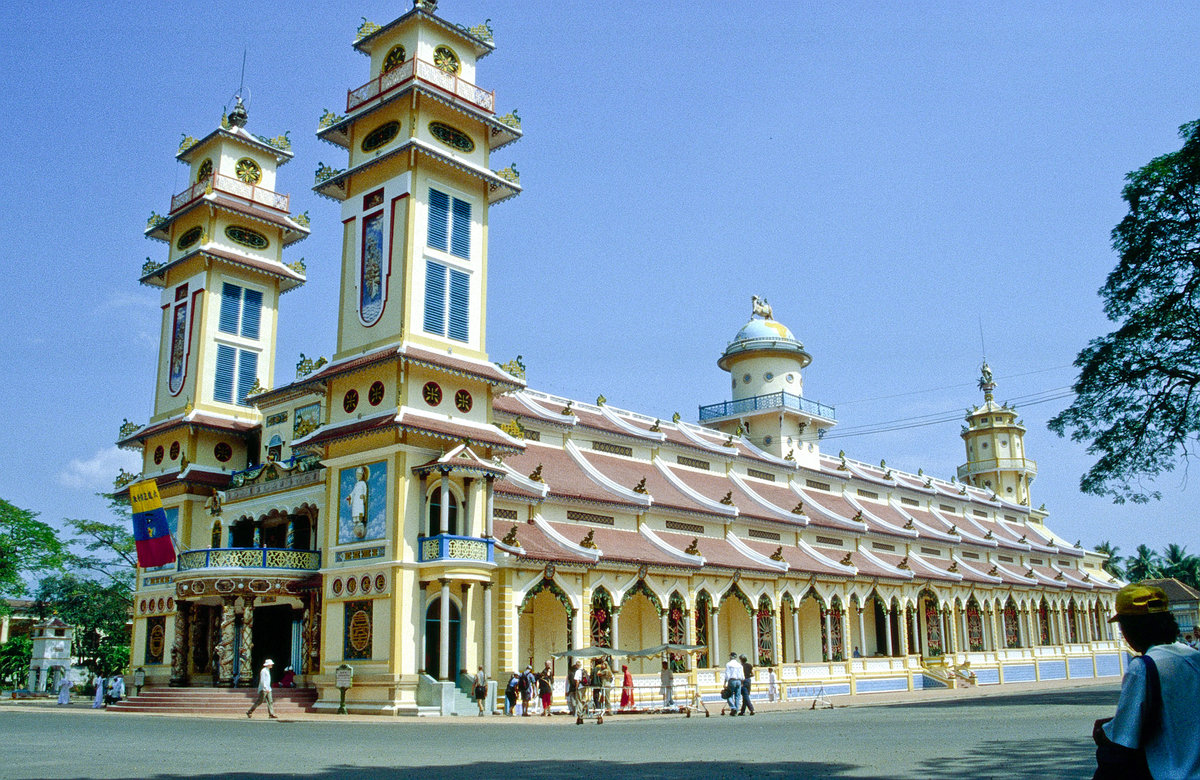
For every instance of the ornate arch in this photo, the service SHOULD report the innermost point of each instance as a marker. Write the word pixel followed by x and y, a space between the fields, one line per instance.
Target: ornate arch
pixel 640 587
pixel 737 593
pixel 703 616
pixel 765 624
pixel 677 629
pixel 547 584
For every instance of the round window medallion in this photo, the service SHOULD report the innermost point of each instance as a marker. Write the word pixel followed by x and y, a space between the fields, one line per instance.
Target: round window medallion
pixel 375 394
pixel 452 136
pixel 380 582
pixel 432 393
pixel 143 606
pixel 189 237
pixel 248 171
pixel 351 586
pixel 462 401
pixel 205 171
pixel 170 603
pixel 158 455
pixel 337 587
pixel 246 237
pixel 768 376
pixel 223 452
pixel 445 59
pixel 380 136
pixel 162 604
pixel 746 378
pixel 350 401
pixel 767 440
pixel 174 450
pixel 790 378
pixel 365 583
pixel 394 58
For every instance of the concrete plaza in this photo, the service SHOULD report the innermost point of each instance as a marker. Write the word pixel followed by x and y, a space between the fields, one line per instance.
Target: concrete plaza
pixel 1034 733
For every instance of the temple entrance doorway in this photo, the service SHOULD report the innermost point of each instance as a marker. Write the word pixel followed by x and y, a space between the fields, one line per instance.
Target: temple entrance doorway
pixel 272 638
pixel 433 640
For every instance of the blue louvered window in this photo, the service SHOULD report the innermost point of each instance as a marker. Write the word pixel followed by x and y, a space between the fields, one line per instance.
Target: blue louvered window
pixel 247 374
pixel 460 306
pixel 449 224
pixel 435 298
pixel 251 313
pixel 439 219
pixel 231 305
pixel 223 388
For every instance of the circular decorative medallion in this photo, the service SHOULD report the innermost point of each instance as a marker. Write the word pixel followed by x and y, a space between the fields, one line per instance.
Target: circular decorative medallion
pixel 350 401
pixel 223 452
pixel 767 440
pixel 351 586
pixel 158 455
pixel 365 583
pixel 432 393
pixel 549 574
pixel 375 394
pixel 337 587
pixel 156 641
pixel 462 401
pixel 768 376
pixel 205 171
pixel 248 171
pixel 174 450
pixel 189 237
pixel 360 630
pixel 380 136
pixel 143 606
pixel 452 136
pixel 445 59
pixel 790 378
pixel 394 58
pixel 380 583
pixel 170 603
pixel 162 604
pixel 746 379
pixel 246 237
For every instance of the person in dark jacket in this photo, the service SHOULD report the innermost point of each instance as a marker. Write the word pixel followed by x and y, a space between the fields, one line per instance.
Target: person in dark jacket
pixel 748 670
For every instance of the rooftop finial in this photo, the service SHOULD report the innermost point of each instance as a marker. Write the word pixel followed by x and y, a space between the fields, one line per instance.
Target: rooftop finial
pixel 426 5
pixel 760 308
pixel 986 383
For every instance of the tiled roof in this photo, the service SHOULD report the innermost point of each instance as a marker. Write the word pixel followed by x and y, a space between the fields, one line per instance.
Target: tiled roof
pixel 1177 592
pixel 196 419
pixel 535 544
pixel 716 552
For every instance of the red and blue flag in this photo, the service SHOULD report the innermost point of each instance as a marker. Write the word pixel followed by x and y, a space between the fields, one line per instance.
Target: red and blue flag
pixel 151 532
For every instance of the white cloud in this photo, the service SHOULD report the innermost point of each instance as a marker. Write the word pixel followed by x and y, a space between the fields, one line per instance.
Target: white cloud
pixel 97 472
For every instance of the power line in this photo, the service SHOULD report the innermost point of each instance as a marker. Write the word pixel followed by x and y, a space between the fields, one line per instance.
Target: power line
pixel 938 418
pixel 949 387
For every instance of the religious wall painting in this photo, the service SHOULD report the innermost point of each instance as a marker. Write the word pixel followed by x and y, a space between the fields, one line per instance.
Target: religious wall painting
pixel 306 420
pixel 677 631
pixel 765 622
pixel 362 508
pixel 371 271
pixel 358 627
pixel 974 627
pixel 602 617
pixel 178 368
pixel 933 628
pixel 1012 630
pixel 156 639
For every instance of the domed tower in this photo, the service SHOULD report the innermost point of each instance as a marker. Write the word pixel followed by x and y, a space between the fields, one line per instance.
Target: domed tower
pixel 995 442
pixel 765 361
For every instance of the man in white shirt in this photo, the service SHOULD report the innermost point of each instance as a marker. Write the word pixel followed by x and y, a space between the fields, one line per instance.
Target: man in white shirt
pixel 264 691
pixel 667 685
pixel 1170 735
pixel 734 675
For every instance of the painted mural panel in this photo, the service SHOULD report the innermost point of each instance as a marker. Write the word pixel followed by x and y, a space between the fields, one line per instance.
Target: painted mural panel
pixel 358 629
pixel 933 629
pixel 307 419
pixel 362 508
pixel 178 349
pixel 371 279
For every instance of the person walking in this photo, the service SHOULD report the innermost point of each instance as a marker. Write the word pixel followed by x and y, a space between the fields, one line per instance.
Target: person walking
pixel 1157 725
pixel 626 688
pixel 603 686
pixel 511 690
pixel 748 678
pixel 577 701
pixel 64 687
pixel 772 684
pixel 264 691
pixel 528 686
pixel 481 689
pixel 666 686
pixel 98 701
pixel 545 681
pixel 734 675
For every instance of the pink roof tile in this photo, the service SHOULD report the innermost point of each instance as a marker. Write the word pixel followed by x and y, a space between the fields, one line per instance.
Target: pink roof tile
pixel 716 552
pixel 537 545
pixel 619 545
pixel 797 559
pixel 563 476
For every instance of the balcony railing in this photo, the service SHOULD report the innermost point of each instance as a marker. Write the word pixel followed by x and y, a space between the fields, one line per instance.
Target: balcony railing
pixel 232 186
pixel 249 558
pixel 780 400
pixel 427 73
pixel 447 547
pixel 971 468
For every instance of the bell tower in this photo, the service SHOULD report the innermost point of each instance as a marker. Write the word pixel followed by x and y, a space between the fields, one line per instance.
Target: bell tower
pixel 221 282
pixel 995 441
pixel 416 193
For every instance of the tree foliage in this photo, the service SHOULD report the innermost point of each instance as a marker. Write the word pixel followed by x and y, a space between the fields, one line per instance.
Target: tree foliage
pixel 1144 565
pixel 27 546
pixel 98 610
pixel 1137 403
pixel 15 656
pixel 1113 564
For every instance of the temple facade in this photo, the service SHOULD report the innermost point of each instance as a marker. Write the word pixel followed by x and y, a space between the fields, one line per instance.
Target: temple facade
pixel 415 510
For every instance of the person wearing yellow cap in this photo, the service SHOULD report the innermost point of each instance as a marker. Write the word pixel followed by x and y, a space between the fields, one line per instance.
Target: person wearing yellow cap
pixel 1156 730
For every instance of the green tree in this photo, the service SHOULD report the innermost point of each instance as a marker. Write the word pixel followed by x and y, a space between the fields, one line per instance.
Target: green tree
pixel 1144 565
pixel 98 610
pixel 1137 398
pixel 1177 563
pixel 1113 564
pixel 27 546
pixel 15 657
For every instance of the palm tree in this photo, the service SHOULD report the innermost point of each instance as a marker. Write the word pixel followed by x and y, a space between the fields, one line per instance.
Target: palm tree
pixel 1178 564
pixel 1144 565
pixel 1113 564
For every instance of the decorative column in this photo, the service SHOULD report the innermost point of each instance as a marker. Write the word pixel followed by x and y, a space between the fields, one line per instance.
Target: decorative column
pixel 180 644
pixel 952 630
pixel 828 649
pixel 246 670
pixel 887 624
pixel 714 644
pixel 847 640
pixel 487 627
pixel 614 636
pixel 444 617
pixel 862 629
pixel 444 519
pixel 665 634
pixel 487 520
pixel 902 624
pixel 796 635
pixel 196 647
pixel 225 646
pixel 754 638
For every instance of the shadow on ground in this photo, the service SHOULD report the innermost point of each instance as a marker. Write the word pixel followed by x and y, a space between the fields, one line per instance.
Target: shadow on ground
pixel 1036 758
pixel 1101 697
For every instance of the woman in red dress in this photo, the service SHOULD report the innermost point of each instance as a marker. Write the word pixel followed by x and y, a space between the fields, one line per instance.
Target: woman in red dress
pixel 626 688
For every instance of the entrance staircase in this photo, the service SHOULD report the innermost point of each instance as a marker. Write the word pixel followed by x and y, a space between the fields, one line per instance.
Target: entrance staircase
pixel 215 701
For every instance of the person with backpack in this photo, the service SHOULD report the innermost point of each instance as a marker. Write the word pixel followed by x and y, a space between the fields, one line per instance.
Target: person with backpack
pixel 545 683
pixel 511 690
pixel 1156 730
pixel 528 686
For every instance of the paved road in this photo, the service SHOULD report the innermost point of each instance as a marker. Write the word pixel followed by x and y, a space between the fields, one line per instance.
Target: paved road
pixel 1043 734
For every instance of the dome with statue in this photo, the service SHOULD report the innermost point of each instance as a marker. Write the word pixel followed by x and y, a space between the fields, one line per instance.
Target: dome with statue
pixel 763 335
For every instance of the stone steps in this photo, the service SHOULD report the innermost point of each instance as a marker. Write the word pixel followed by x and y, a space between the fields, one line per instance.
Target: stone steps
pixel 214 701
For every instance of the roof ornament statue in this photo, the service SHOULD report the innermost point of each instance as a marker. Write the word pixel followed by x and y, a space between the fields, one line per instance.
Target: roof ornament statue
pixel 426 5
pixel 760 308
pixel 238 116
pixel 986 382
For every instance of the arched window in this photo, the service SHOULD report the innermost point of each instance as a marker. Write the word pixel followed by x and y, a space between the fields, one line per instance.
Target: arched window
pixel 216 534
pixel 435 513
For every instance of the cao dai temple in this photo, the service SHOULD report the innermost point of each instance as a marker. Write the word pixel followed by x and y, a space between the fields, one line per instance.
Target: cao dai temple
pixel 415 510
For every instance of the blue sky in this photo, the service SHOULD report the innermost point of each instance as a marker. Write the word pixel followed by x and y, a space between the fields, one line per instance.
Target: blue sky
pixel 888 175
